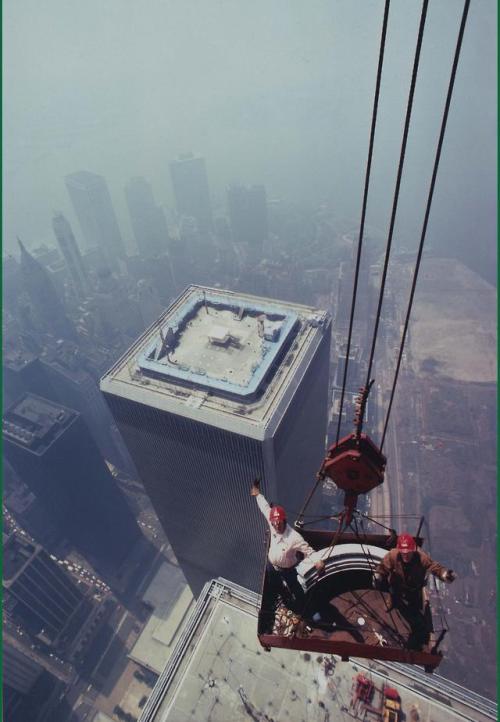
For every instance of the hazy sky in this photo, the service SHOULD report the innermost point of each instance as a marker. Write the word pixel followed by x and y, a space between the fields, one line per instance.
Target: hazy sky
pixel 273 91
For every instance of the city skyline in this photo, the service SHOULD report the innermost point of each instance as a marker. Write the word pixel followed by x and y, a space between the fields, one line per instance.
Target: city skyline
pixel 315 96
pixel 183 191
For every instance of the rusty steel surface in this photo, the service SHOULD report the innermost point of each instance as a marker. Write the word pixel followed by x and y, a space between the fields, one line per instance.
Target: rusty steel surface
pixel 356 620
pixel 346 650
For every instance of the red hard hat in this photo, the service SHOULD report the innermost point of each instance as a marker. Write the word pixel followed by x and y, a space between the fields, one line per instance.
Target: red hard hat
pixel 277 513
pixel 406 543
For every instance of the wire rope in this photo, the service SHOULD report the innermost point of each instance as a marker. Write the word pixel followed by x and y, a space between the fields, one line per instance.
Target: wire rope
pixel 363 212
pixel 409 109
pixel 428 208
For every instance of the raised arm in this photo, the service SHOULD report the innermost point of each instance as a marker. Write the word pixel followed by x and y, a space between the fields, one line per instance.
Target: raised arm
pixel 260 499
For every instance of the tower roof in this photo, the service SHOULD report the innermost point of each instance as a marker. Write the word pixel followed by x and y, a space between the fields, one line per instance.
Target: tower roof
pixel 228 359
pixel 35 423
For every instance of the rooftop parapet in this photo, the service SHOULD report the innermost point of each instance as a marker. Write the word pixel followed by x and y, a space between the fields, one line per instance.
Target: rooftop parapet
pixel 35 423
pixel 223 358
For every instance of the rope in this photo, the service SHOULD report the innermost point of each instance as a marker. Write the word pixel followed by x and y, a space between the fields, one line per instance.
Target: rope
pixel 428 207
pixel 363 212
pixel 409 108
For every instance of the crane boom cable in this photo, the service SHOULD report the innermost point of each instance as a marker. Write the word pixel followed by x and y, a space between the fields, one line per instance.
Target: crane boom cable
pixel 427 210
pixel 365 200
pixel 409 109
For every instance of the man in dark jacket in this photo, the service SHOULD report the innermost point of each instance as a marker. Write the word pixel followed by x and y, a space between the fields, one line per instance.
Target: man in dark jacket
pixel 403 572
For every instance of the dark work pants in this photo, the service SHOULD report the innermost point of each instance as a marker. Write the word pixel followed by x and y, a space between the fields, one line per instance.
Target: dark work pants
pixel 295 597
pixel 409 605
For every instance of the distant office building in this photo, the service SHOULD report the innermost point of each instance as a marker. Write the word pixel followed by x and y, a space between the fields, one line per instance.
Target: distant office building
pixel 75 387
pixel 38 596
pixel 23 679
pixel 32 682
pixel 118 314
pixel 159 270
pixel 72 255
pixel 29 677
pixel 46 255
pixel 11 282
pixel 22 372
pixel 224 388
pixel 192 197
pixel 248 215
pixel 23 506
pixel 93 207
pixel 20 671
pixel 148 219
pixel 58 374
pixel 48 309
pixel 45 596
pixel 51 450
pixel 181 263
pixel 148 300
pixel 199 249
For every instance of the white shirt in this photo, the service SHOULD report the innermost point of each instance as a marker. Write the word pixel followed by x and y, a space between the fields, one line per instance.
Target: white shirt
pixel 283 547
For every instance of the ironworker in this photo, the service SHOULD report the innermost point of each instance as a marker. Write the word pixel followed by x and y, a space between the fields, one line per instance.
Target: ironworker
pixel 286 549
pixel 403 572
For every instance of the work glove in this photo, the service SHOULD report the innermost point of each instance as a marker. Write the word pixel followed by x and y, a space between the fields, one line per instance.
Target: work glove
pixel 449 576
pixel 320 566
pixel 255 488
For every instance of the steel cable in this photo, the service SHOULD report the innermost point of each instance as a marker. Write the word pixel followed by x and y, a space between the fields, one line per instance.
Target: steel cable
pixel 428 208
pixel 395 201
pixel 363 212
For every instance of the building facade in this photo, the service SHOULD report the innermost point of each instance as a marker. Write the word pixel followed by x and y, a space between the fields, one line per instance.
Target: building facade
pixel 58 374
pixel 248 215
pixel 224 387
pixel 148 219
pixel 48 309
pixel 72 256
pixel 51 450
pixel 94 209
pixel 192 196
pixel 44 595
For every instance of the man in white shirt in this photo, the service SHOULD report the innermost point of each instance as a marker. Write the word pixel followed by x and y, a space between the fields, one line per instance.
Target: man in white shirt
pixel 284 546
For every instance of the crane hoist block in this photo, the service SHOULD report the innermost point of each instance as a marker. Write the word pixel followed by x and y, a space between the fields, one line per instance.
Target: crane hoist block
pixel 355 464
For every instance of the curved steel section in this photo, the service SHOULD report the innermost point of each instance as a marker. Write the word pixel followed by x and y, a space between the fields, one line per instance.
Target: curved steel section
pixel 341 559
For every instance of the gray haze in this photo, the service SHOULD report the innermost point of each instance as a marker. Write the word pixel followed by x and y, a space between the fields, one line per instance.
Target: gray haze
pixel 278 93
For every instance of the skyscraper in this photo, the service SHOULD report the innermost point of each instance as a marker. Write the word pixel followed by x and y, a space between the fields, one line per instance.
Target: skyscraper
pixel 192 197
pixel 71 253
pixel 51 450
pixel 248 215
pixel 22 371
pixel 93 207
pixel 223 388
pixel 44 595
pixel 11 281
pixel 148 219
pixel 30 678
pixel 47 306
pixel 57 373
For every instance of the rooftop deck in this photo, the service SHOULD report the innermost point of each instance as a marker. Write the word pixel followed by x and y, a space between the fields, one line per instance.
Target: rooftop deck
pixel 219 343
pixel 222 358
pixel 35 423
